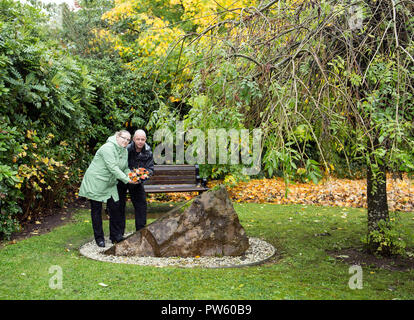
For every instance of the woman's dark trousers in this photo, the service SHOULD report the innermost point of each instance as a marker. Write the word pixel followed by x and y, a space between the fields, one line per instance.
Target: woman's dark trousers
pixel 115 222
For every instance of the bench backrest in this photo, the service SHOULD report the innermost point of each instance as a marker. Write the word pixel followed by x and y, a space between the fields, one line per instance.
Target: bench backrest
pixel 173 174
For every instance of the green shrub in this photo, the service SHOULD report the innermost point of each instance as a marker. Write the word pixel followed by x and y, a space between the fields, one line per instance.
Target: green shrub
pixel 45 106
pixel 386 240
pixel 43 177
pixel 9 194
pixel 8 202
pixel 56 109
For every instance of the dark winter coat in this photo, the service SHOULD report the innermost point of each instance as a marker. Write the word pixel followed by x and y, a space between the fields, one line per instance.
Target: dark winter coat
pixel 143 159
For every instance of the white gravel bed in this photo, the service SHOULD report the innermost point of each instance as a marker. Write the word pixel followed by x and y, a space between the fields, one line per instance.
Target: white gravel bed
pixel 258 252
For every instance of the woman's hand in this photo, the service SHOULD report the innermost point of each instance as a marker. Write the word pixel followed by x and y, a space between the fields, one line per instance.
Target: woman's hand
pixel 134 182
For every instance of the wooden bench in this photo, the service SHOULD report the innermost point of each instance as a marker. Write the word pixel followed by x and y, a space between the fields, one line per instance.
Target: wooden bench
pixel 175 178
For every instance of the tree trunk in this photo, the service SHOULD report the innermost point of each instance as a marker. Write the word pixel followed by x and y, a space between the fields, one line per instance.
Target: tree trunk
pixel 377 198
pixel 377 205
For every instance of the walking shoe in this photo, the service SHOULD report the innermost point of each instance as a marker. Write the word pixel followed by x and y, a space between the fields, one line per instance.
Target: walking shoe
pixel 119 240
pixel 101 243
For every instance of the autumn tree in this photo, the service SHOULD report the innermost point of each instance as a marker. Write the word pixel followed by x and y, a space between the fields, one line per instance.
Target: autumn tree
pixel 83 30
pixel 153 33
pixel 339 74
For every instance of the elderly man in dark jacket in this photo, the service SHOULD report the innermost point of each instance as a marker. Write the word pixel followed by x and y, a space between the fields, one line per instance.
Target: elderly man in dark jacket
pixel 139 156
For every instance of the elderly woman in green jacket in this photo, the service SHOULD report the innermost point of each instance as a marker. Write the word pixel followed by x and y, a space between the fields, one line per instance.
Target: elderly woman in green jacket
pixel 99 185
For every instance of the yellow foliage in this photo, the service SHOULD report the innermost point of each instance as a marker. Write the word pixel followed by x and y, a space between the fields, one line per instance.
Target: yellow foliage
pixel 156 34
pixel 122 9
pixel 31 133
pixel 173 99
pixel 32 174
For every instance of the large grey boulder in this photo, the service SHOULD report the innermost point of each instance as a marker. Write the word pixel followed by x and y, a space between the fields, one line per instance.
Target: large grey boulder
pixel 206 226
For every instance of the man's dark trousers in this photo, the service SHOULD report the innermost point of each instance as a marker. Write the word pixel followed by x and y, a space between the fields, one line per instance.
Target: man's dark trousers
pixel 139 201
pixel 115 232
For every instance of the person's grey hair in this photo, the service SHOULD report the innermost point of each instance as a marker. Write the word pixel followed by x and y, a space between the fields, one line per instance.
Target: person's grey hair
pixel 119 133
pixel 140 131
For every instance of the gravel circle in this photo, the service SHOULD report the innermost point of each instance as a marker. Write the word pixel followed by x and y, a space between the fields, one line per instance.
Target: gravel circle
pixel 259 251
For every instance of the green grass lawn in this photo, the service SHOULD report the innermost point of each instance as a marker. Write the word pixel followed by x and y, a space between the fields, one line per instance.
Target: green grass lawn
pixel 303 269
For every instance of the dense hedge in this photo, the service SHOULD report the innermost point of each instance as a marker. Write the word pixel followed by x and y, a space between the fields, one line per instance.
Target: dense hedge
pixel 56 109
pixel 45 96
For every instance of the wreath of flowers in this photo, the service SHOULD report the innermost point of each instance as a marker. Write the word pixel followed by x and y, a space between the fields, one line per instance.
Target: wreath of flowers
pixel 138 174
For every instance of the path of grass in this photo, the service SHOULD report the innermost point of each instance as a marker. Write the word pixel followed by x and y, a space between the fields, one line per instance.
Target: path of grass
pixel 304 270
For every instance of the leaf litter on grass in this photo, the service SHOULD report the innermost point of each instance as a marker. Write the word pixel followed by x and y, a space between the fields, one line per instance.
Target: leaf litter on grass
pixel 329 192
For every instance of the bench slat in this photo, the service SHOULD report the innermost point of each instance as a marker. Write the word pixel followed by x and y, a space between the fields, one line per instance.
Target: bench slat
pixel 174 168
pixel 174 178
pixel 173 183
pixel 175 188
pixel 173 173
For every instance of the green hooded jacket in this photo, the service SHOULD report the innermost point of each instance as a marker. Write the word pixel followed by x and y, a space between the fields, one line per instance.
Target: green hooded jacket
pixel 109 164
